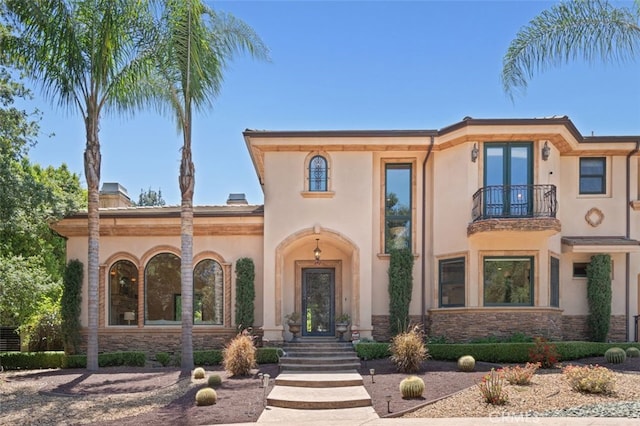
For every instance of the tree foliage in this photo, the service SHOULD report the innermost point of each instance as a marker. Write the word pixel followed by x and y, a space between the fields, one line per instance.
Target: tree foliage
pixel 24 283
pixel 400 289
pixel 245 292
pixel 599 296
pixel 588 29
pixel 151 198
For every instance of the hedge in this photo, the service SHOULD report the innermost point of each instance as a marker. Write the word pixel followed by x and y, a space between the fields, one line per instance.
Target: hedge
pixel 36 360
pixel 496 352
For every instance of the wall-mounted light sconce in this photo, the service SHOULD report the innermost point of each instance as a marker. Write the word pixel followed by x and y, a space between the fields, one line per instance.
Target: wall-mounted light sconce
pixel 317 251
pixel 474 152
pixel 546 151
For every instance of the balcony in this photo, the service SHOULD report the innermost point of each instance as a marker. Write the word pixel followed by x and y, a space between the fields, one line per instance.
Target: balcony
pixel 515 207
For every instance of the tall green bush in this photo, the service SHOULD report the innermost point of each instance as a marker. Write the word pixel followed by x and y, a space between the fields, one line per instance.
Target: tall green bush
pixel 245 292
pixel 400 288
pixel 70 306
pixel 599 296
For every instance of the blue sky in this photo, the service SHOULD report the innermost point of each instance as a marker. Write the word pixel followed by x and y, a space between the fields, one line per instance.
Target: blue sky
pixel 347 65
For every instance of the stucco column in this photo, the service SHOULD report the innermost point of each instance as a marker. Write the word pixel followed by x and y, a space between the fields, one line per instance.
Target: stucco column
pixel 272 300
pixel 362 293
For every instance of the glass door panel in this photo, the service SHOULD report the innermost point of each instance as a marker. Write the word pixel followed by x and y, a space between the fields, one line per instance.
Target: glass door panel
pixel 508 179
pixel 318 308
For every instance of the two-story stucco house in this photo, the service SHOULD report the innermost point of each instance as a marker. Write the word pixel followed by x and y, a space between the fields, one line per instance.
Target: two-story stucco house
pixel 502 216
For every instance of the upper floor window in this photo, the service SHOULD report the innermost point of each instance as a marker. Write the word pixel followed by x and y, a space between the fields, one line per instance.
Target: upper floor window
pixel 318 173
pixel 593 175
pixel 508 281
pixel 398 206
pixel 554 281
pixel 452 277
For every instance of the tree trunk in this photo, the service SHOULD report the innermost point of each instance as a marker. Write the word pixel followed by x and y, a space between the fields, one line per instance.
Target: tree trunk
pixel 92 173
pixel 187 184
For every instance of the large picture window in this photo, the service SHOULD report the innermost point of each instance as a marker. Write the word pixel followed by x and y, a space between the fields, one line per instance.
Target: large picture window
pixel 452 279
pixel 398 206
pixel 508 281
pixel 593 175
pixel 208 291
pixel 162 285
pixel 123 293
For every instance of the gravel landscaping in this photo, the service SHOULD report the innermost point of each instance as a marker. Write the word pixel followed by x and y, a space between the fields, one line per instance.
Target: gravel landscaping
pixel 149 396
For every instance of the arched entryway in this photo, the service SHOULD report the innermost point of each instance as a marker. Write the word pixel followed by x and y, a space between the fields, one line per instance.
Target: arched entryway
pixel 318 289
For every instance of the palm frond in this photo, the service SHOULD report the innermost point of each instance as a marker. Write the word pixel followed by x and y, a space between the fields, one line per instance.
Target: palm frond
pixel 588 29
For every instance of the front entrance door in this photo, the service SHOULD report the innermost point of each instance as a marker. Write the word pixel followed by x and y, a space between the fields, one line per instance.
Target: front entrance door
pixel 508 176
pixel 318 301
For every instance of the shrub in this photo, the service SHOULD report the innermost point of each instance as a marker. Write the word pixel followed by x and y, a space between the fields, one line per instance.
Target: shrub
pixel 70 306
pixel 110 359
pixel 599 296
pixel 239 356
pixel 163 358
pixel 206 396
pixel 32 360
pixel 518 375
pixel 210 357
pixel 408 350
pixel 43 330
pixel 492 388
pixel 615 355
pixel 590 379
pixel 412 387
pixel 372 350
pixel 633 352
pixel 198 373
pixel 544 353
pixel 245 292
pixel 466 363
pixel 267 355
pixel 214 380
pixel 400 288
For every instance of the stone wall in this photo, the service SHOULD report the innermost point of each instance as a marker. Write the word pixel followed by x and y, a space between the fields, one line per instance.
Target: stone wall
pixel 152 340
pixel 381 326
pixel 463 325
pixel 575 327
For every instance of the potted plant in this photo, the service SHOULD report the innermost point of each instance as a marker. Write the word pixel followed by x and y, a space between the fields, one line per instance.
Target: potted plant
pixel 293 320
pixel 342 324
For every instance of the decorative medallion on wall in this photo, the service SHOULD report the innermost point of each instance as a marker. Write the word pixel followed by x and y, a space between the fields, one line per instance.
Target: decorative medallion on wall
pixel 594 217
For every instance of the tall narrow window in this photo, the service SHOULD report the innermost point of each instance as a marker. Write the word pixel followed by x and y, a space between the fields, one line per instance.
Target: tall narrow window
pixel 508 281
pixel 554 298
pixel 452 277
pixel 592 175
pixel 398 206
pixel 208 293
pixel 318 173
pixel 123 293
pixel 162 290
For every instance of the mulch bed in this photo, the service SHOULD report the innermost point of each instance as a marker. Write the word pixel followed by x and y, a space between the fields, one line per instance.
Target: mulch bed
pixel 241 399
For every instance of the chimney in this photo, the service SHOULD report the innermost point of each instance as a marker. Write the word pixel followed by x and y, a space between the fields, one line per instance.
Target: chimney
pixel 114 195
pixel 237 199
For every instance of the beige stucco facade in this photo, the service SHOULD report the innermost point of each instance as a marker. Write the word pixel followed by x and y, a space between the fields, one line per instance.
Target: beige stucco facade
pixel 541 225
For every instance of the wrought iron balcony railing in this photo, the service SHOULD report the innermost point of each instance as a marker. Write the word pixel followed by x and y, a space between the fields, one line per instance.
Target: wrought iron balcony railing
pixel 514 201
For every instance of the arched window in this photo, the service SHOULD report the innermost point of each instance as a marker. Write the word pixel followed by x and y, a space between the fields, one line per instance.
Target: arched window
pixel 208 293
pixel 318 173
pixel 123 293
pixel 162 290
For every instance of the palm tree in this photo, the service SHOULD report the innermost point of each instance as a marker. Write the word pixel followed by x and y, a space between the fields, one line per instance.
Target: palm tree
pixel 193 48
pixel 591 29
pixel 86 55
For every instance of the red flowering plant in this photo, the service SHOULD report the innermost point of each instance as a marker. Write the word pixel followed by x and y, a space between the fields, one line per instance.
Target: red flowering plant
pixel 544 353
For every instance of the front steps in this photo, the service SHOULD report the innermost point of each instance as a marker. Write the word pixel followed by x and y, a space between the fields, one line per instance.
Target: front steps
pixel 319 355
pixel 319 374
